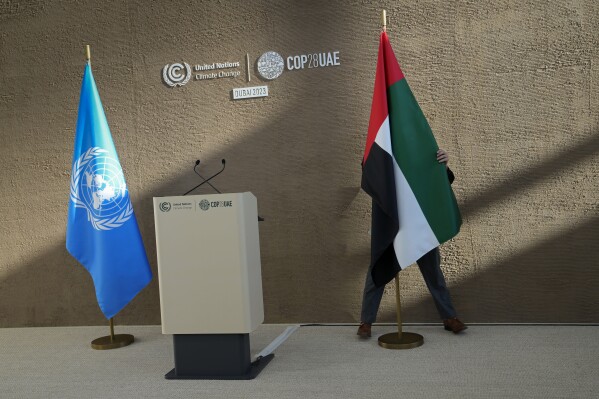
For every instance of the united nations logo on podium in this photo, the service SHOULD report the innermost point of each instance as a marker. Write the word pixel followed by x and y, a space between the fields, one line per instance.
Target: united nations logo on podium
pixel 98 185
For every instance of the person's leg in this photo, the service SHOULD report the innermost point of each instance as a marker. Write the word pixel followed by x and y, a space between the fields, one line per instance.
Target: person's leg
pixel 430 267
pixel 371 299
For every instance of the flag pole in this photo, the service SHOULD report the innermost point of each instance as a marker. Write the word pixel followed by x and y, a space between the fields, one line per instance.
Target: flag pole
pixel 400 339
pixel 110 341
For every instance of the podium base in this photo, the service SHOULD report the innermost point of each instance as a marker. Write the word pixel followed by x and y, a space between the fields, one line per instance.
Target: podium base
pixel 407 340
pixel 214 357
pixel 255 368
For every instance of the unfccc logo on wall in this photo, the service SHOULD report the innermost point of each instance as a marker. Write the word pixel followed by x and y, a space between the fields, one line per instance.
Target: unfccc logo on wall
pixel 176 74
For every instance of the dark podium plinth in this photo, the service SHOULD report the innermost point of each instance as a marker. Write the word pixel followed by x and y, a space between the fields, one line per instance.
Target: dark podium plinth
pixel 215 357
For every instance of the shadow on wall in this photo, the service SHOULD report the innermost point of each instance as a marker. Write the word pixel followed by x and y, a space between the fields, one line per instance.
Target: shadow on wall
pixel 304 168
pixel 303 165
pixel 554 281
pixel 297 186
pixel 549 169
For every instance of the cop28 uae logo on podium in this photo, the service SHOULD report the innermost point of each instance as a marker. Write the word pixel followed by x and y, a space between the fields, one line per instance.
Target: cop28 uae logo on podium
pixel 204 205
pixel 98 186
pixel 176 74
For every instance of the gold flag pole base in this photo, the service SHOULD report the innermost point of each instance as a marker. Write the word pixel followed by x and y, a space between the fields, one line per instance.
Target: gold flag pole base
pixel 108 342
pixel 400 339
pixel 112 341
pixel 406 340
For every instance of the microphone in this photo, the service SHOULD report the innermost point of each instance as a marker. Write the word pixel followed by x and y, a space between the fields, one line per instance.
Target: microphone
pixel 208 179
pixel 203 178
pixel 260 218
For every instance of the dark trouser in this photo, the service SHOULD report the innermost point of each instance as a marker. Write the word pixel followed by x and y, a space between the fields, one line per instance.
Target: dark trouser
pixel 430 267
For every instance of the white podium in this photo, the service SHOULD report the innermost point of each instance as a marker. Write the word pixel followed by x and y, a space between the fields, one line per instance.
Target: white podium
pixel 210 283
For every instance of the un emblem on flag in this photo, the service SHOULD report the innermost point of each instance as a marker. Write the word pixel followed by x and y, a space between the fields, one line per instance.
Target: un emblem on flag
pixel 98 185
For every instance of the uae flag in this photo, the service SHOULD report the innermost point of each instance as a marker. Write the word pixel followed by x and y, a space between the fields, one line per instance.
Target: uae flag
pixel 414 209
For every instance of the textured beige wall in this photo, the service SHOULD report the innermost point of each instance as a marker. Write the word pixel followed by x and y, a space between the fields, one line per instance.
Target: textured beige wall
pixel 509 87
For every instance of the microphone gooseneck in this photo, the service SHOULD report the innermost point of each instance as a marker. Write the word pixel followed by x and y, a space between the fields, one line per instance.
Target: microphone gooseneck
pixel 208 179
pixel 203 178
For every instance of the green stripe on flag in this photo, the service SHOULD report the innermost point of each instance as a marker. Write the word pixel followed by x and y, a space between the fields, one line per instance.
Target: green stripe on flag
pixel 414 148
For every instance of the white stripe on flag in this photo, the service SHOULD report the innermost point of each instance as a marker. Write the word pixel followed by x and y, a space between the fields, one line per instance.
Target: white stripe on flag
pixel 415 236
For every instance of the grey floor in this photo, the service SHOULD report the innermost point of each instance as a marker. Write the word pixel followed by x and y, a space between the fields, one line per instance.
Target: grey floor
pixel 315 362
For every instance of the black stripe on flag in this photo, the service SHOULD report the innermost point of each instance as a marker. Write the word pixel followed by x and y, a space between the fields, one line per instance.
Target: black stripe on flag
pixel 378 181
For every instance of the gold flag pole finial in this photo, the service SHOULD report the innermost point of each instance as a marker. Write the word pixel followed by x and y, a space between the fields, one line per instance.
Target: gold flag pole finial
pixel 384 20
pixel 88 55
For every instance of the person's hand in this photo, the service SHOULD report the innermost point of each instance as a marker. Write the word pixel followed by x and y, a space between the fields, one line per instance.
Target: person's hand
pixel 442 157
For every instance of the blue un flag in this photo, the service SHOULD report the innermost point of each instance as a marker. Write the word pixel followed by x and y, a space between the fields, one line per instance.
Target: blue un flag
pixel 102 232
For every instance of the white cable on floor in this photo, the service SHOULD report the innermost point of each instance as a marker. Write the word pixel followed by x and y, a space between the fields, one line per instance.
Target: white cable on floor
pixel 270 348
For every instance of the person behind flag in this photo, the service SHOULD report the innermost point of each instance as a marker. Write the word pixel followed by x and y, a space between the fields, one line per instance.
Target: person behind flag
pixel 430 267
pixel 414 209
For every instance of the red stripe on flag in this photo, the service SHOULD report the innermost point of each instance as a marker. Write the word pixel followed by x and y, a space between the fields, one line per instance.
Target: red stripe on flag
pixel 393 72
pixel 387 73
